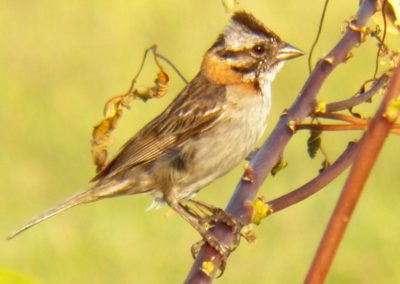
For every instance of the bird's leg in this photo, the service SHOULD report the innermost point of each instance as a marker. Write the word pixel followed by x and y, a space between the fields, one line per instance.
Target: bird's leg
pixel 212 215
pixel 216 214
pixel 192 212
pixel 189 216
pixel 195 221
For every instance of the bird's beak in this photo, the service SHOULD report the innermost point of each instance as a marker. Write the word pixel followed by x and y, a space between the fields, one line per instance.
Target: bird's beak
pixel 287 51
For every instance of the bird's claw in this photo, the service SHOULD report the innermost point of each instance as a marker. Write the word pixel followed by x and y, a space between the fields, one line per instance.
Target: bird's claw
pixel 195 249
pixel 222 249
pixel 216 215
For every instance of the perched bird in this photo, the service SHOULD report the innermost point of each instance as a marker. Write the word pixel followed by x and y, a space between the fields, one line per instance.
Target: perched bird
pixel 210 127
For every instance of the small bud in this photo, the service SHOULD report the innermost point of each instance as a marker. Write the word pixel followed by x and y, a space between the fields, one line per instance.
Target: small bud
pixel 207 267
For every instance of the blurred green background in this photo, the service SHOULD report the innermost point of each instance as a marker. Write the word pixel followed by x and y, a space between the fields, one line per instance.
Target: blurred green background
pixel 61 60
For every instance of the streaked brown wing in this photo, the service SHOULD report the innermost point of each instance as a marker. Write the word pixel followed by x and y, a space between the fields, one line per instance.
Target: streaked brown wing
pixel 196 109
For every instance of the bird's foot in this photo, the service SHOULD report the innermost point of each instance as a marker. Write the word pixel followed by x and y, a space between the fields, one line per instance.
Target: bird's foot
pixel 211 216
pixel 222 249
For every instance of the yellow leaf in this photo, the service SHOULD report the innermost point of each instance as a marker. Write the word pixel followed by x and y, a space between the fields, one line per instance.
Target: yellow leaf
pixel 112 105
pixel 113 108
pixel 320 107
pixel 393 110
pixel 207 267
pixel 260 210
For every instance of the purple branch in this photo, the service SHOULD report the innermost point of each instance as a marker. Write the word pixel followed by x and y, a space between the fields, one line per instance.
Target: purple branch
pixel 268 155
pixel 317 183
pixel 361 98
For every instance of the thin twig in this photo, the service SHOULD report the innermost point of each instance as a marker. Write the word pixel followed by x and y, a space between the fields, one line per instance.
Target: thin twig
pixel 366 156
pixel 341 117
pixel 382 42
pixel 314 44
pixel 342 127
pixel 172 66
pixel 361 98
pixel 331 127
pixel 132 86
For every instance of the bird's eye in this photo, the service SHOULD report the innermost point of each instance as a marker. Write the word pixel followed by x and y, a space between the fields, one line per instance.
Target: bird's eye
pixel 258 50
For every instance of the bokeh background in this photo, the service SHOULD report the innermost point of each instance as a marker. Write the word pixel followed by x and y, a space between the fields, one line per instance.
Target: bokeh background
pixel 61 60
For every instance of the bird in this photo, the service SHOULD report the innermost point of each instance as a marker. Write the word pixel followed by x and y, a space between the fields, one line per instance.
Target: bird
pixel 207 130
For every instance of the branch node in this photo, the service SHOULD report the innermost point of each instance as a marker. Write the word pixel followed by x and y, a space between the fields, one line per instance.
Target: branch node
pixel 329 59
pixel 248 234
pixel 351 25
pixel 348 56
pixel 280 165
pixel 292 126
pixel 248 174
pixel 392 111
pixel 260 210
pixel 320 107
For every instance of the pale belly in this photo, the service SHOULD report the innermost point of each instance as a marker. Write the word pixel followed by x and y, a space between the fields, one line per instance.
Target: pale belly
pixel 225 146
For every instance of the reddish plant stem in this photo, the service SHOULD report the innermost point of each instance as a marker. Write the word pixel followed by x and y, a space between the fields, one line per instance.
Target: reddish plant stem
pixel 340 116
pixel 316 184
pixel 331 127
pixel 366 156
pixel 342 127
pixel 268 155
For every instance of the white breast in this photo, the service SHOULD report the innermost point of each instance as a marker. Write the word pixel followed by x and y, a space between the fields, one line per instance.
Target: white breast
pixel 229 143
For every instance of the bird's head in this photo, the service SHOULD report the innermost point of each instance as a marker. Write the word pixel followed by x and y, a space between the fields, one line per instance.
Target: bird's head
pixel 246 52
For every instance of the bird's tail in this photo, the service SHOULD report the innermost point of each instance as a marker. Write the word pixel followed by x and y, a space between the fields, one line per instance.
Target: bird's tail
pixel 79 198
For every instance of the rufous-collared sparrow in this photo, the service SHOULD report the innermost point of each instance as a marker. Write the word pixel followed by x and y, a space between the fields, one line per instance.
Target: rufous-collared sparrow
pixel 210 127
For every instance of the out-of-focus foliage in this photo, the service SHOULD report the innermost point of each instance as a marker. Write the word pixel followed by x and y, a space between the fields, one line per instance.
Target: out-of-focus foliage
pixel 8 276
pixel 60 62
